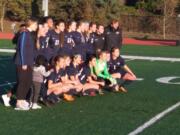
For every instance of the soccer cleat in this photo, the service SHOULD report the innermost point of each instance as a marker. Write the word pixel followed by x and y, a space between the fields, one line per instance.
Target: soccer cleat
pixel 122 89
pixel 68 97
pixel 101 92
pixel 36 106
pixel 6 100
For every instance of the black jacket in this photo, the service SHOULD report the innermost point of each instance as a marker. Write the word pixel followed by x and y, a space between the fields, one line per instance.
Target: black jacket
pixel 25 49
pixel 113 38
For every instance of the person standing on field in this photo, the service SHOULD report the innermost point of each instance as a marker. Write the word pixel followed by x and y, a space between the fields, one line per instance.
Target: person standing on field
pixel 24 61
pixel 113 36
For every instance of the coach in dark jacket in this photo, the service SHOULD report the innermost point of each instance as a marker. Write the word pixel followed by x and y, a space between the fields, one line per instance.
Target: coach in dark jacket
pixel 113 36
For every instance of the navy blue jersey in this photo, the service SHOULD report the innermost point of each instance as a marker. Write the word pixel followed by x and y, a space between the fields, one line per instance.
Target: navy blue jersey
pixel 116 65
pixel 85 72
pixel 80 41
pixel 25 49
pixel 99 42
pixel 55 76
pixel 54 41
pixel 90 43
pixel 72 70
pixel 68 44
pixel 48 50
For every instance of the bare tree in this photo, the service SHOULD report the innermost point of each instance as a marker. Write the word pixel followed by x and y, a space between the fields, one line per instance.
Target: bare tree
pixel 169 7
pixel 3 5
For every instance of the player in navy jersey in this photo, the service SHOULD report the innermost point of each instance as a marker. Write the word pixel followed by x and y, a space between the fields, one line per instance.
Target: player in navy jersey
pixel 54 41
pixel 50 22
pixel 56 84
pixel 73 71
pixel 79 40
pixel 66 40
pixel 99 40
pixel 90 36
pixel 86 77
pixel 41 44
pixel 119 69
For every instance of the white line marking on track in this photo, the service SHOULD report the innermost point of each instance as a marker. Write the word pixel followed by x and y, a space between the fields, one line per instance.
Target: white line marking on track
pixel 154 119
pixel 6 84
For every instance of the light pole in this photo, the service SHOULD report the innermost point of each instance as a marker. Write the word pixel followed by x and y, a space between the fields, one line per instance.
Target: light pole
pixel 45 7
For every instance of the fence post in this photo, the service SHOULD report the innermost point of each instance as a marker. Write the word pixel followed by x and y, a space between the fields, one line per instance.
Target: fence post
pixel 178 30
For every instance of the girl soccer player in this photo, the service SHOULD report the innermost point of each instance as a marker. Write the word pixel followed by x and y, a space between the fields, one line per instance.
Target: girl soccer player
pixel 55 81
pixel 101 71
pixel 119 69
pixel 54 41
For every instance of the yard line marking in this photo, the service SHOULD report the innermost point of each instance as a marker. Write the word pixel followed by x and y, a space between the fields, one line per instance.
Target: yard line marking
pixel 8 50
pixel 139 79
pixel 151 58
pixel 154 119
pixel 6 84
pixel 129 60
pixel 125 56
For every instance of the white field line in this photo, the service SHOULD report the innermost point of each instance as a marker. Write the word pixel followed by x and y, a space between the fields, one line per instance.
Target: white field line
pixel 8 50
pixel 132 57
pixel 151 58
pixel 154 119
pixel 6 84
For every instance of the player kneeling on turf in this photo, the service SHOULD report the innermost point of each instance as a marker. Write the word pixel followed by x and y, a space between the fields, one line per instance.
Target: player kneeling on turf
pixel 102 73
pixel 55 84
pixel 119 70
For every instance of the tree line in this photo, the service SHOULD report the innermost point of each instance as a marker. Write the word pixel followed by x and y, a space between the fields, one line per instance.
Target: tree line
pixel 91 10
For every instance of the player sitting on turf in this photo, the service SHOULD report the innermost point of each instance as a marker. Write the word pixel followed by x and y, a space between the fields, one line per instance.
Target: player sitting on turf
pixel 90 86
pixel 55 84
pixel 102 73
pixel 119 69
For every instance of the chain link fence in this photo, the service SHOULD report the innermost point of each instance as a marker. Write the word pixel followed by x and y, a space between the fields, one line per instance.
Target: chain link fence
pixel 152 25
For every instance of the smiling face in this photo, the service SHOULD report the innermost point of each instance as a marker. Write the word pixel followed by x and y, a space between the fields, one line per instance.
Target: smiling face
pixel 100 29
pixel 93 62
pixel 116 53
pixel 60 62
pixel 34 26
pixel 67 60
pixel 73 26
pixel 103 56
pixel 50 23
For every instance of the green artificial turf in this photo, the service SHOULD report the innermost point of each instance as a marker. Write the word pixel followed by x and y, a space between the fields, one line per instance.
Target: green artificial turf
pixel 6 44
pixel 110 114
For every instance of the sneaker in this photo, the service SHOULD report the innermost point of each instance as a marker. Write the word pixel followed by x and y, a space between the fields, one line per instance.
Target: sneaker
pixel 6 100
pixel 21 108
pixel 26 104
pixel 101 92
pixel 68 97
pixel 36 106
